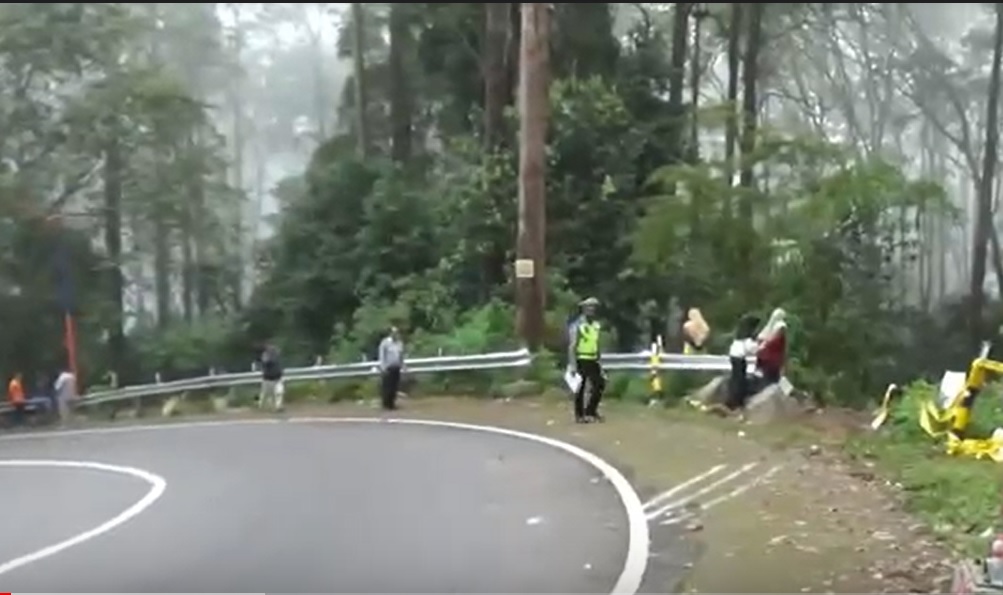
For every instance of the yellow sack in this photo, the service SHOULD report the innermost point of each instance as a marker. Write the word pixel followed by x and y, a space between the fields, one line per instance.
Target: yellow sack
pixel 977 448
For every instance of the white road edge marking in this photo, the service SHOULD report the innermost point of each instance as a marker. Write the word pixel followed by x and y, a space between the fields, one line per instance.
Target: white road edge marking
pixel 638 537
pixel 655 501
pixel 679 502
pixel 157 486
pixel 675 519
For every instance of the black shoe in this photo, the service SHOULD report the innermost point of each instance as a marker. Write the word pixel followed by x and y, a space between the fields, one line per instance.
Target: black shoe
pixel 581 420
pixel 596 418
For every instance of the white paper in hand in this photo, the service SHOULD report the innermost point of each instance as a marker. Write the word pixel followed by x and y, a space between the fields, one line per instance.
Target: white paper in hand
pixel 572 379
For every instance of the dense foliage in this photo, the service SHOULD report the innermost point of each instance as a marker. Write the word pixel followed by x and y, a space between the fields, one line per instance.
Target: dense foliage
pixel 832 177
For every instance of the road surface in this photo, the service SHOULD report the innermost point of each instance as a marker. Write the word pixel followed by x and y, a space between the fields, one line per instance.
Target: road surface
pixel 308 507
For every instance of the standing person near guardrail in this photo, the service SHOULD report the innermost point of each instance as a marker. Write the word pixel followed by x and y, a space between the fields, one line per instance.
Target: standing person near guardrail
pixel 391 361
pixel 695 331
pixel 272 388
pixel 772 352
pixel 15 394
pixel 583 359
pixel 66 393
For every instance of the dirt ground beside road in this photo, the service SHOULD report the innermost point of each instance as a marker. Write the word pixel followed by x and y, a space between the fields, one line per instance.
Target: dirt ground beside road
pixel 779 520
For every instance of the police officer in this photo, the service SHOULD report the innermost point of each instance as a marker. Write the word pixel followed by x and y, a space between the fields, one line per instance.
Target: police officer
pixel 583 358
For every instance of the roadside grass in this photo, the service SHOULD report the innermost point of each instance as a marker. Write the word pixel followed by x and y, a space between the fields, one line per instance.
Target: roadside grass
pixel 959 497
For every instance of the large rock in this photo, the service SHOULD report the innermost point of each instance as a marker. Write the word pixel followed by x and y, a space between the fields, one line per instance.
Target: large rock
pixel 713 393
pixel 773 403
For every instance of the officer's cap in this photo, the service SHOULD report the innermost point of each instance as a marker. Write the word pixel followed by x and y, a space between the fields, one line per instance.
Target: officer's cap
pixel 589 301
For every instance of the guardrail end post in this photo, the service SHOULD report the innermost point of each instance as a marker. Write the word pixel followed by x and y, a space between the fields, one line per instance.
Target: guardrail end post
pixel 319 361
pixel 156 378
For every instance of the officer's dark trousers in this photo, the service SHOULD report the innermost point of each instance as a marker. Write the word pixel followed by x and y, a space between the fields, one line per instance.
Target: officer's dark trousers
pixel 738 383
pixel 390 383
pixel 592 380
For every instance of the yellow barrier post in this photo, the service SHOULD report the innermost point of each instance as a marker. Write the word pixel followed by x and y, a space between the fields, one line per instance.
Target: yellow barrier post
pixel 655 363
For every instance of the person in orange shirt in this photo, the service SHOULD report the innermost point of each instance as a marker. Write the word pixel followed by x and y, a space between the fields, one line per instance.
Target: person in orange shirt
pixel 15 393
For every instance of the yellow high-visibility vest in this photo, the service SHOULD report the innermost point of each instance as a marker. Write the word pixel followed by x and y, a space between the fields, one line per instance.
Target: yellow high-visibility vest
pixel 587 346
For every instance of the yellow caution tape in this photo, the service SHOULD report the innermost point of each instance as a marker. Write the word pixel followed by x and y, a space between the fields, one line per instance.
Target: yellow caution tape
pixel 885 409
pixel 937 424
pixel 977 448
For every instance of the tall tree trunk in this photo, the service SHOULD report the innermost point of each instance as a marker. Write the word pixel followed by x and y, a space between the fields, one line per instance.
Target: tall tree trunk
pixel 534 106
pixel 237 167
pixel 113 246
pixel 400 91
pixel 162 268
pixel 200 232
pixel 321 101
pixel 734 65
pixel 513 48
pixel 984 206
pixel 677 75
pixel 361 96
pixel 750 103
pixel 695 67
pixel 496 92
pixel 187 264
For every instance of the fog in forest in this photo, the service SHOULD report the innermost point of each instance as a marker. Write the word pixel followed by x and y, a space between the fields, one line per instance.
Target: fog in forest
pixel 193 179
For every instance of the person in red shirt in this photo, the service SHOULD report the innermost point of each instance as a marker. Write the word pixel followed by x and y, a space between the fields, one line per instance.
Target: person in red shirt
pixel 15 394
pixel 772 352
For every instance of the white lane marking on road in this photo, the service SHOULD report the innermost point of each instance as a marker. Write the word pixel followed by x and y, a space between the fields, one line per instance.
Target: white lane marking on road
pixel 638 540
pixel 673 519
pixel 655 501
pixel 137 428
pixel 157 486
pixel 680 502
pixel 534 520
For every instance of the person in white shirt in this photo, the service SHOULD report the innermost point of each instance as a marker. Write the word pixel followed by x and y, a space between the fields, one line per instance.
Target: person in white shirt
pixel 391 358
pixel 66 392
pixel 742 347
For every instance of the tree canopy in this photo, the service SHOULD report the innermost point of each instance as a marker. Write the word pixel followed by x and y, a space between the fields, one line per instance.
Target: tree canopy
pixel 225 174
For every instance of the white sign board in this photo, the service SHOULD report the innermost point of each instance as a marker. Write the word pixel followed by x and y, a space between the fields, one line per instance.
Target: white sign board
pixel 524 268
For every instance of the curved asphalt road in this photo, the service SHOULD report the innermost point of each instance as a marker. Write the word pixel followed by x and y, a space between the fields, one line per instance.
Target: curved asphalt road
pixel 298 507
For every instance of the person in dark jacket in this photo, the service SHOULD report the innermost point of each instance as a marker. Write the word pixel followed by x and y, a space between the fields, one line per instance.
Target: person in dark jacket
pixel 272 388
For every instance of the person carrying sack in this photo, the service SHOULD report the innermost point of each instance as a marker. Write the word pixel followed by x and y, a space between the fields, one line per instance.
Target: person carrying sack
pixel 583 360
pixel 695 332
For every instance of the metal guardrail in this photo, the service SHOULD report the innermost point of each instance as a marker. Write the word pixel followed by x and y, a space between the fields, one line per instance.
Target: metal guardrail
pixel 424 365
pixel 668 362
pixel 639 362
